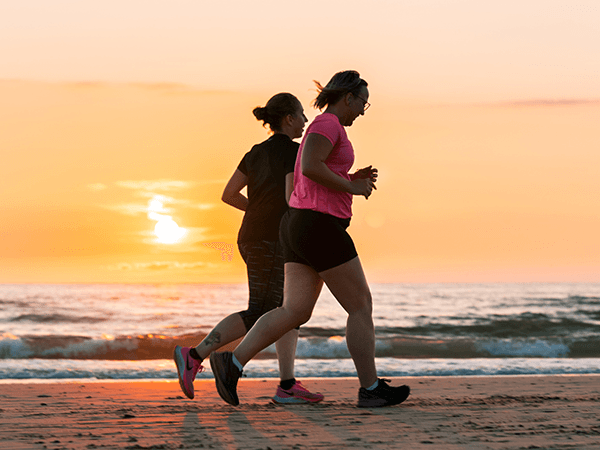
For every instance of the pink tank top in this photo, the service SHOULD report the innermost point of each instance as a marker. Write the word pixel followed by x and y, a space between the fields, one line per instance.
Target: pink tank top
pixel 309 194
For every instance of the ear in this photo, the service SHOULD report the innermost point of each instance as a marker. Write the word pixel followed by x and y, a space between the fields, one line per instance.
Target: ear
pixel 348 97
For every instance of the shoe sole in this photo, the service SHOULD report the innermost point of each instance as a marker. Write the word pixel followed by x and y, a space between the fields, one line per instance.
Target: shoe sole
pixel 221 388
pixel 381 402
pixel 180 363
pixel 290 400
pixel 376 403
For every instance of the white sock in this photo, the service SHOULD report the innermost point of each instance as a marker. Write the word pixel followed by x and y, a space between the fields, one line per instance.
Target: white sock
pixel 236 362
pixel 373 386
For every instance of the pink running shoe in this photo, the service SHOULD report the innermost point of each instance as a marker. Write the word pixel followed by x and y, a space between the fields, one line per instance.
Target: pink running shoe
pixel 187 368
pixel 297 394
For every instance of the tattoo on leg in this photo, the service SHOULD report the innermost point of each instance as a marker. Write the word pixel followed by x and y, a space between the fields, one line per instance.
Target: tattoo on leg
pixel 214 337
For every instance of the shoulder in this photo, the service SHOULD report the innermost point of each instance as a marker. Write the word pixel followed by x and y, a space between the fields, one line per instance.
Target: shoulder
pixel 260 146
pixel 250 156
pixel 326 120
pixel 284 144
pixel 258 149
pixel 327 125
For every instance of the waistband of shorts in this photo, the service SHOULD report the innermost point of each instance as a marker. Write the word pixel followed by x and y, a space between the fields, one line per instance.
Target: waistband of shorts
pixel 345 223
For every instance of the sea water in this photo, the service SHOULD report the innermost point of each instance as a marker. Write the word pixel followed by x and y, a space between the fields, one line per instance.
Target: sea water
pixel 103 331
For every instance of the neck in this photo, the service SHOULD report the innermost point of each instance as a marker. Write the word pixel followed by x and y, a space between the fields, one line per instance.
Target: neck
pixel 285 133
pixel 336 111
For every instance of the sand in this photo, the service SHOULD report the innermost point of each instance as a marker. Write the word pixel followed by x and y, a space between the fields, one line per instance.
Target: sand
pixel 509 412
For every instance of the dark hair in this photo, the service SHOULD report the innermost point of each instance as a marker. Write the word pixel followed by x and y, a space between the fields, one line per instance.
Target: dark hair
pixel 339 85
pixel 276 109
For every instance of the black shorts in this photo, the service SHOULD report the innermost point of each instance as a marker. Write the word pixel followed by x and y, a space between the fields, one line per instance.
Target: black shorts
pixel 264 262
pixel 315 239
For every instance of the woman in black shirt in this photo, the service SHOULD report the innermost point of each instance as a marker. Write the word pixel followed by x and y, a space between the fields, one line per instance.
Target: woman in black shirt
pixel 268 172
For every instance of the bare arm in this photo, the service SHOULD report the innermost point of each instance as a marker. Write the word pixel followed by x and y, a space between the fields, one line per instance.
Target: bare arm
pixel 232 195
pixel 365 172
pixel 316 150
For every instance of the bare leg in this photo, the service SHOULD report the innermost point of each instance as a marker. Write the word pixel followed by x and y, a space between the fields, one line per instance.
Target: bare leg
pixel 286 354
pixel 301 290
pixel 227 330
pixel 349 286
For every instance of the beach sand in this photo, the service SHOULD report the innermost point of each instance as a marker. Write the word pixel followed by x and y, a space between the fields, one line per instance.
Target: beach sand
pixel 508 412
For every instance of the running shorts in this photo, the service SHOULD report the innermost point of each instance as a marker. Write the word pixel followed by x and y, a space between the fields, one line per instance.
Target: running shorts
pixel 315 239
pixel 264 262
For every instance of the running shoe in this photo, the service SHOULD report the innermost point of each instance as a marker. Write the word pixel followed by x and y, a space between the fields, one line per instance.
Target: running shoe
pixel 295 395
pixel 187 369
pixel 382 395
pixel 226 376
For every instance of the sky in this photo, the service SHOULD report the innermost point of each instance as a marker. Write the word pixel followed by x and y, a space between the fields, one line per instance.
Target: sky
pixel 121 122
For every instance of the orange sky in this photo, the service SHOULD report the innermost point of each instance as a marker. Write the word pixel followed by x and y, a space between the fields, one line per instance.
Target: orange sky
pixel 484 127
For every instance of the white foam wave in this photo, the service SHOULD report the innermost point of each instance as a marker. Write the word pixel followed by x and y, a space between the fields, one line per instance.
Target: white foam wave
pixel 39 369
pixel 538 347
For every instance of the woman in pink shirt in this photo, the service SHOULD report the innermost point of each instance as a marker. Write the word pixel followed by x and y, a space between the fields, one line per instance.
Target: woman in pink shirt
pixel 317 248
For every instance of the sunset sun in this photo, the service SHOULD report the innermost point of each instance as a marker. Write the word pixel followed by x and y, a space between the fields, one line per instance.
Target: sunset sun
pixel 167 231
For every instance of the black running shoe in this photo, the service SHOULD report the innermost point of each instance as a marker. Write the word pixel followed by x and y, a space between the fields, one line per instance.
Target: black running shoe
pixel 382 395
pixel 226 376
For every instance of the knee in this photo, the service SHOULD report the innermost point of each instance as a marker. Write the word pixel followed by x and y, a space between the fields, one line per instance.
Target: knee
pixel 249 320
pixel 364 305
pixel 302 319
pixel 298 317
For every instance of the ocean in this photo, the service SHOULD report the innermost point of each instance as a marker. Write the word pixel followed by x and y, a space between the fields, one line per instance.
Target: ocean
pixel 128 332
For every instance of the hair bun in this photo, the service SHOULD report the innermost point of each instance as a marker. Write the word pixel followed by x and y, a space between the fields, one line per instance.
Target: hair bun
pixel 278 107
pixel 260 112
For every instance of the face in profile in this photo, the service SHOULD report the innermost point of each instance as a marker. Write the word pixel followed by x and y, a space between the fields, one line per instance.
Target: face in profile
pixel 298 122
pixel 358 104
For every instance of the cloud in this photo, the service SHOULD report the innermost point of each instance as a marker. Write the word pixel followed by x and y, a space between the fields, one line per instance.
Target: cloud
pixel 85 84
pixel 160 265
pixel 134 209
pixel 129 209
pixel 552 102
pixel 164 185
pixel 157 88
pixel 165 86
pixel 204 206
pixel 155 185
pixel 178 89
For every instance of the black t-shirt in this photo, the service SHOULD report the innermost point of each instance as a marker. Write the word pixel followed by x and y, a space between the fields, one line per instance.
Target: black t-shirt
pixel 266 166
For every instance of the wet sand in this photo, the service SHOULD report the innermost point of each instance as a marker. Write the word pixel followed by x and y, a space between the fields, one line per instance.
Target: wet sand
pixel 509 412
